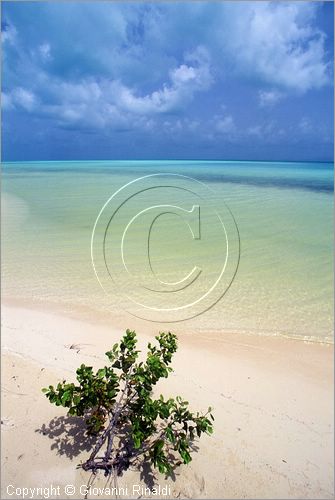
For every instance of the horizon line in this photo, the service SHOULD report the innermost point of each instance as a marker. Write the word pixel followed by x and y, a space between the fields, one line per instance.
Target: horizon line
pixel 169 159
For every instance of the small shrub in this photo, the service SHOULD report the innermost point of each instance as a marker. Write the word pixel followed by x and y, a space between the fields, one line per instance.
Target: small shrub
pixel 117 404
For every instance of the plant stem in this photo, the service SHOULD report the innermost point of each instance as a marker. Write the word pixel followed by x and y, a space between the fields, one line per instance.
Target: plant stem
pixel 108 433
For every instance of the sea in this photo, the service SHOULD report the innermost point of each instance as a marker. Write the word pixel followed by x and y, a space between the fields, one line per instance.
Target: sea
pixel 206 246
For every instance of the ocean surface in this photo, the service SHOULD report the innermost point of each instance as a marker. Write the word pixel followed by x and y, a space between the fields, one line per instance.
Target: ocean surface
pixel 283 214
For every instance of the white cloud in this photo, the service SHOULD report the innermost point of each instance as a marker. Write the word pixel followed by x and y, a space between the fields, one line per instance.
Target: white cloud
pixel 102 102
pixel 9 35
pixel 177 124
pixel 183 74
pixel 316 129
pixel 45 51
pixel 278 42
pixel 6 101
pixel 22 98
pixel 267 132
pixel 305 125
pixel 268 98
pixel 185 81
pixel 225 124
pixel 254 131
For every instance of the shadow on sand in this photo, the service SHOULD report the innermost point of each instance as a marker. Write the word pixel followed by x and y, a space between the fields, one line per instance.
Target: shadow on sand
pixel 70 439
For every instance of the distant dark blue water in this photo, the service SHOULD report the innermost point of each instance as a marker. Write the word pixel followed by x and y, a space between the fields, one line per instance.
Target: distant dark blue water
pixel 317 177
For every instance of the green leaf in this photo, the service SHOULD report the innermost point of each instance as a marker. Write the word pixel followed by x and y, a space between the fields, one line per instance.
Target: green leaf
pixel 76 399
pixel 67 396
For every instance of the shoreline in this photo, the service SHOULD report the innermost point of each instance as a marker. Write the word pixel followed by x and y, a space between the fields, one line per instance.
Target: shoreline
pixel 272 399
pixel 104 318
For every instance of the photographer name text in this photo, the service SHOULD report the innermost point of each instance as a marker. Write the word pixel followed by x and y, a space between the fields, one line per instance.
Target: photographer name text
pixel 70 490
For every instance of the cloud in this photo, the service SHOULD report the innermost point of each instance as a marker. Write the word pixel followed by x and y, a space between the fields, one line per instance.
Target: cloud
pixel 268 98
pixel 225 124
pixel 185 81
pixel 269 132
pixel 305 125
pixel 24 98
pixel 255 131
pixel 103 102
pixel 45 51
pixel 314 129
pixel 181 124
pixel 279 43
pixel 20 98
pixel 9 34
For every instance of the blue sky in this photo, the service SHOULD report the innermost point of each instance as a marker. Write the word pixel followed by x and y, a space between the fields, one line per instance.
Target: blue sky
pixel 218 80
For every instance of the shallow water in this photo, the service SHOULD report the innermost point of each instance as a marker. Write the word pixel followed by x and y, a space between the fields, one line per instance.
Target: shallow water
pixel 283 211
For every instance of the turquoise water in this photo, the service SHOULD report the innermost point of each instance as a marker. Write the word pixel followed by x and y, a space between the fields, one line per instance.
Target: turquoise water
pixel 283 211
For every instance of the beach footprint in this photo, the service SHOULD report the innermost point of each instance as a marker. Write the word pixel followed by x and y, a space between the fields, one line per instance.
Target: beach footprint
pixel 194 486
pixel 7 423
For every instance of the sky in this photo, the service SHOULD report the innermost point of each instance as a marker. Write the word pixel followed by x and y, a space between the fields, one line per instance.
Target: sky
pixel 197 80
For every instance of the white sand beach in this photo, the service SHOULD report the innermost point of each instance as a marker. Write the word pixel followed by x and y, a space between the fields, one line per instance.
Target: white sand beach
pixel 272 400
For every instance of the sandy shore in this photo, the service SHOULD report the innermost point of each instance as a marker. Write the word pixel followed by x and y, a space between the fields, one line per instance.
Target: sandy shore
pixel 272 399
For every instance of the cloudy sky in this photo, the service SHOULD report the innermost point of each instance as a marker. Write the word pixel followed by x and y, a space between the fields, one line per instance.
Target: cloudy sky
pixel 219 80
